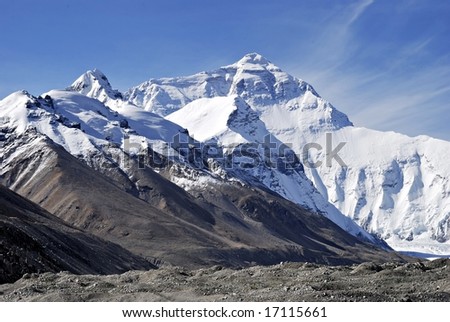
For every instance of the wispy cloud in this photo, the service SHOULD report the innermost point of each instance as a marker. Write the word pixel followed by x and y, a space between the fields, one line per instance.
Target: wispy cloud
pixel 358 10
pixel 385 85
pixel 332 46
pixel 412 105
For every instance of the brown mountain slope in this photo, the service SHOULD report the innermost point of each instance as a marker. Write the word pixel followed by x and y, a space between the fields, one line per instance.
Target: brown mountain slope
pixel 33 240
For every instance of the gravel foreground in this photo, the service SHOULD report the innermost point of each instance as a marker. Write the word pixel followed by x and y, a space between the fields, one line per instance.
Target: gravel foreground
pixel 421 281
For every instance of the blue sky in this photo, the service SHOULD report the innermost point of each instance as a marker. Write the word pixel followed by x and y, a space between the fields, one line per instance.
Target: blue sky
pixel 384 63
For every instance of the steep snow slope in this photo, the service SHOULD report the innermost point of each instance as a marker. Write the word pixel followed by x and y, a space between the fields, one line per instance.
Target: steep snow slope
pixel 251 151
pixel 394 186
pixel 218 119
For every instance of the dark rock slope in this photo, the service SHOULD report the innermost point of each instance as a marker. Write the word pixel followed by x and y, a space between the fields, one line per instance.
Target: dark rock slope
pixel 33 240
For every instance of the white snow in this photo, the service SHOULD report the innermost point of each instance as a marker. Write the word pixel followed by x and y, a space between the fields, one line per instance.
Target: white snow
pixel 227 120
pixel 13 111
pixel 207 118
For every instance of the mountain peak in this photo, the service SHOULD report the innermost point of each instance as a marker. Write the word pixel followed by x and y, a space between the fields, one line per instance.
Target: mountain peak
pixel 90 77
pixel 253 58
pixel 98 76
pixel 95 84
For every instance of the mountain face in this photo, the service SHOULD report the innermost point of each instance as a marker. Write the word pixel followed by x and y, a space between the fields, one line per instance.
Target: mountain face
pixel 212 168
pixel 394 186
pixel 63 152
pixel 32 240
pixel 288 181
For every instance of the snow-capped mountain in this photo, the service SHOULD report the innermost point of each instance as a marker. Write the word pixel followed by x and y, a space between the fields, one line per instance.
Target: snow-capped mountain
pixel 98 134
pixel 394 186
pixel 259 82
pixel 68 153
pixel 230 122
